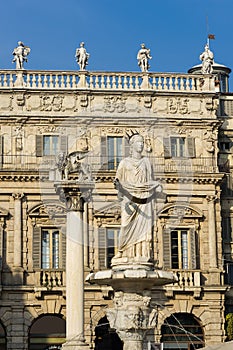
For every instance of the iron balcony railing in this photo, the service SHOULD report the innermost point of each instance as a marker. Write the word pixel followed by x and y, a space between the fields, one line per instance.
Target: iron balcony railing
pixel 99 164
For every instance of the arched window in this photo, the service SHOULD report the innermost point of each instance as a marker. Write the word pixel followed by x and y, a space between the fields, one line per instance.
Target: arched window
pixel 182 331
pixel 47 332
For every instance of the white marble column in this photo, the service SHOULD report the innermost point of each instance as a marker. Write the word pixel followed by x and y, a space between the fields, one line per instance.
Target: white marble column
pixel 17 229
pixel 73 194
pixel 212 231
pixel 86 235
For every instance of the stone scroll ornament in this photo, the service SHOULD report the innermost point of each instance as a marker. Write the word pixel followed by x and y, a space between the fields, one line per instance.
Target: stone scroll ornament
pixel 136 191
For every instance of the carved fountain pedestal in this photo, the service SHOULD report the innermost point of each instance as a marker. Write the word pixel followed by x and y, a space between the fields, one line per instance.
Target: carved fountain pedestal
pixel 132 315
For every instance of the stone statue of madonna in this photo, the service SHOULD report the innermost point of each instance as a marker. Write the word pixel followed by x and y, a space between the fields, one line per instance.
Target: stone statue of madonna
pixel 136 190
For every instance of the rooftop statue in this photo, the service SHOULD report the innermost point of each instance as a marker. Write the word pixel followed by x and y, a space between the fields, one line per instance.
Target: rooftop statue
pixel 82 56
pixel 143 56
pixel 207 58
pixel 20 54
pixel 136 190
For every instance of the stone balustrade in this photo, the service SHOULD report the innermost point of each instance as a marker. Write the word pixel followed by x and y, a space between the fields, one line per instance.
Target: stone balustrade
pixel 51 278
pixel 126 81
pixel 188 278
pixel 102 164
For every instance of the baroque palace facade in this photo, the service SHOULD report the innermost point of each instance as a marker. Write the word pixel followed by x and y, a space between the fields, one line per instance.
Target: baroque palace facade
pixel 187 124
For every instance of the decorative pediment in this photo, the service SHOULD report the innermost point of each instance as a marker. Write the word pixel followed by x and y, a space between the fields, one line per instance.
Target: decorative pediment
pixel 172 210
pixel 47 210
pixel 111 210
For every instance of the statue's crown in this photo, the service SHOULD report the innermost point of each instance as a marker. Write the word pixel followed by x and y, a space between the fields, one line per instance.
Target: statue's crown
pixel 131 133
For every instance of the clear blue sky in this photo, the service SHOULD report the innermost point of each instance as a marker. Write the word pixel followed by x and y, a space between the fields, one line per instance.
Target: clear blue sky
pixel 174 30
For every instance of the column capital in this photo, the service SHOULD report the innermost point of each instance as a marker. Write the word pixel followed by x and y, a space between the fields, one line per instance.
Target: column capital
pixel 74 193
pixel 17 196
pixel 211 198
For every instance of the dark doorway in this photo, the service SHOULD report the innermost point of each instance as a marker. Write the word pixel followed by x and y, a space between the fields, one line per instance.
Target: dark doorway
pixel 182 331
pixel 105 337
pixel 47 332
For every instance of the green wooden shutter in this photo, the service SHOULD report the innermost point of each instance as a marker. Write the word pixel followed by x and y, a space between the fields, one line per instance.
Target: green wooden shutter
pixel 39 145
pixel 191 147
pixel 63 144
pixel 36 248
pixel 102 248
pixel 104 160
pixel 167 248
pixel 193 259
pixel 63 242
pixel 167 147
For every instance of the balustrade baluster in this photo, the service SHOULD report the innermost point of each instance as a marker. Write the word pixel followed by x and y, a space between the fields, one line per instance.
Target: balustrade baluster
pixel 39 80
pixel 50 80
pixel 56 81
pixel 63 81
pixel 114 86
pixel 73 81
pixel 91 82
pixel 45 81
pixel 11 79
pixel 59 278
pixel 125 85
pixel 165 85
pixel 44 278
pixel 121 82
pixel 68 83
pixel 102 84
pixel 108 83
pixel 33 80
pixel 136 82
pixel 182 86
pixel 198 84
pixel 170 83
pixel 159 83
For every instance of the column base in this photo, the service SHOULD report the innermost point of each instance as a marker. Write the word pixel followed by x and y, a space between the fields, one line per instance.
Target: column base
pixel 74 344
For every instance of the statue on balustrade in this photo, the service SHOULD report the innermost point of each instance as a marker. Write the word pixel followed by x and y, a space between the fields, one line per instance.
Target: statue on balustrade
pixel 207 58
pixel 143 57
pixel 136 191
pixel 82 56
pixel 20 54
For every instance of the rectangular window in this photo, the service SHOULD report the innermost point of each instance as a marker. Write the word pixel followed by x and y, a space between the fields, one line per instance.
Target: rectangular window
pixel 114 151
pixel 179 147
pixel 50 145
pixel 180 249
pixel 50 249
pixel 112 244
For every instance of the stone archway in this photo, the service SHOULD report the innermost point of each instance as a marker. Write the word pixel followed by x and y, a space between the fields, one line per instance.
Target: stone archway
pixel 106 338
pixel 182 330
pixel 47 331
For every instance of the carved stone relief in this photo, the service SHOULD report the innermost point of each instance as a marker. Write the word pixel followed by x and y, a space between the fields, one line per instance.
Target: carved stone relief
pixel 115 104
